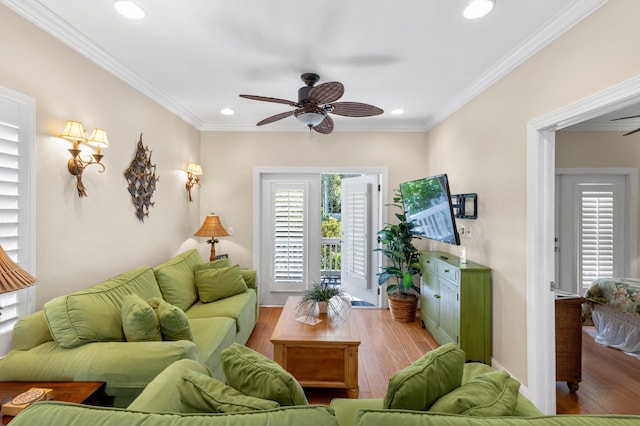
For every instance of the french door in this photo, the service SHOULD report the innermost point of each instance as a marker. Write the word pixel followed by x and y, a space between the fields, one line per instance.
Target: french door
pixel 594 228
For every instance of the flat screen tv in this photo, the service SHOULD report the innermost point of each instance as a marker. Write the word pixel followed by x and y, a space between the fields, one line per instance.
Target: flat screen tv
pixel 427 204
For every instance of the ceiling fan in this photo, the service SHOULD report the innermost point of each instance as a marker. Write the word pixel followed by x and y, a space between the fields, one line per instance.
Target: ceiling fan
pixel 626 118
pixel 315 103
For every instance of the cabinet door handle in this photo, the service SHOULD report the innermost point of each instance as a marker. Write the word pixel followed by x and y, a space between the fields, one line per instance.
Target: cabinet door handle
pixel 446 270
pixel 436 296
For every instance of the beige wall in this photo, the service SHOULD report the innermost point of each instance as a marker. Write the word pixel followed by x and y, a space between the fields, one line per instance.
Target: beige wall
pixel 229 160
pixel 598 149
pixel 483 148
pixel 80 242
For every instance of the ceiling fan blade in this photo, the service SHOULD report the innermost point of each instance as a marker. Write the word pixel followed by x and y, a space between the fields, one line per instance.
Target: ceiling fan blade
pixel 326 93
pixel 325 127
pixel 626 134
pixel 355 109
pixel 625 118
pixel 275 118
pixel 268 99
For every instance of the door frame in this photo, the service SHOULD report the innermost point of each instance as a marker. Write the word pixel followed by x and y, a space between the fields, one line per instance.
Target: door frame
pixel 540 231
pixel 258 172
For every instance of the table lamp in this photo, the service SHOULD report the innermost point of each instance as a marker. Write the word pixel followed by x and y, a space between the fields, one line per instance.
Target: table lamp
pixel 211 227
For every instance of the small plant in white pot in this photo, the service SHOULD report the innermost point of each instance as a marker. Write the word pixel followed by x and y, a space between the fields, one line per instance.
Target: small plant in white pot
pixel 326 297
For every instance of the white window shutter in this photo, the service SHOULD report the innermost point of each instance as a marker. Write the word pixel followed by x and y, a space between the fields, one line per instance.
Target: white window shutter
pixel 596 236
pixel 289 234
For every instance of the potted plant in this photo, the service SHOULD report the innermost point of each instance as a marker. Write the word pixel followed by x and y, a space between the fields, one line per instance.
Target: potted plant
pixel 326 297
pixel 403 262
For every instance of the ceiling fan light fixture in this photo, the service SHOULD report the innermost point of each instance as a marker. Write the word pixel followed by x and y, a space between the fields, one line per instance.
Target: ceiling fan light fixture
pixel 310 119
pixel 478 8
pixel 129 9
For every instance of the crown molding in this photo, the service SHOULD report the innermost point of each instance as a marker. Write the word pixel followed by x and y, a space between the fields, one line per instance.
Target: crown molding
pixel 569 17
pixel 48 21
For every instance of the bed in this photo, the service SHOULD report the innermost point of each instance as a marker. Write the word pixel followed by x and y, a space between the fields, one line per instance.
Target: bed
pixel 614 305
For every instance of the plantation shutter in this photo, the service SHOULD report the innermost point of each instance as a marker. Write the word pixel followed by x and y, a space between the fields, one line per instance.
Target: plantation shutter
pixel 17 124
pixel 290 235
pixel 596 236
pixel 355 243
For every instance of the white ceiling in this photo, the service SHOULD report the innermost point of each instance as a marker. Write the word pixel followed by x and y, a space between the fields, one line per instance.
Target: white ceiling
pixel 195 56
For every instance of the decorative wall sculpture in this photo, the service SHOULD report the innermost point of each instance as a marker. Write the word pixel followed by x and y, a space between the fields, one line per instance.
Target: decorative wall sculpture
pixel 141 176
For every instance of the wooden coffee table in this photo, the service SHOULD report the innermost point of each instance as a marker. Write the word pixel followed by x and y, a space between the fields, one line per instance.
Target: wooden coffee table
pixel 78 392
pixel 324 355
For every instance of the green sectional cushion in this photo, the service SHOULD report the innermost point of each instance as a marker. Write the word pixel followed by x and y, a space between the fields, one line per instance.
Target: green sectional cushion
pixel 176 279
pixel 491 394
pixel 219 283
pixel 139 321
pixel 249 276
pixel 174 324
pixel 201 393
pixel 416 418
pixel 254 374
pixel 47 413
pixel 419 385
pixel 95 314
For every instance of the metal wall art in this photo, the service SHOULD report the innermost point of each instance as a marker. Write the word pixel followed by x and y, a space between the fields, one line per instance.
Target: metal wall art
pixel 141 176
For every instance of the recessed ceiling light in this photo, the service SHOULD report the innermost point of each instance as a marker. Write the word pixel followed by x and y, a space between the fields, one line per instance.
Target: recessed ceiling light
pixel 397 111
pixel 129 9
pixel 478 8
pixel 227 111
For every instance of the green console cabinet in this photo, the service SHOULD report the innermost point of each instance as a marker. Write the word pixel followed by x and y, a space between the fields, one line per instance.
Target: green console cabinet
pixel 456 303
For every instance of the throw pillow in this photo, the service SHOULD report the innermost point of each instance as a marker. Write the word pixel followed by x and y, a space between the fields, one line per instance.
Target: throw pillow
pixel 174 324
pixel 200 393
pixel 491 394
pixel 219 263
pixel 419 385
pixel 254 374
pixel 139 321
pixel 219 283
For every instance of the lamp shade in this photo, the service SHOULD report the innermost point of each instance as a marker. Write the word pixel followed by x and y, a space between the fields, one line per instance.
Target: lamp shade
pixel 98 137
pixel 193 168
pixel 13 277
pixel 74 130
pixel 211 227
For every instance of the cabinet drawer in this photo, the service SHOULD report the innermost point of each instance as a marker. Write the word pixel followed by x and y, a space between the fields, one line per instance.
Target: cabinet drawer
pixel 427 263
pixel 447 271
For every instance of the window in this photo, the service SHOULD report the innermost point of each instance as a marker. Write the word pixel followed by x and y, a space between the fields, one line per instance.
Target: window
pixel 17 130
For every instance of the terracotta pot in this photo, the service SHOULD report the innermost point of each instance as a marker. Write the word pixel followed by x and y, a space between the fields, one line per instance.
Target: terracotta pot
pixel 403 307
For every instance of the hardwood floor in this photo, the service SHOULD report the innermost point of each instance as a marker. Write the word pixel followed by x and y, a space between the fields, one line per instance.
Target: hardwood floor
pixel 610 382
pixel 610 379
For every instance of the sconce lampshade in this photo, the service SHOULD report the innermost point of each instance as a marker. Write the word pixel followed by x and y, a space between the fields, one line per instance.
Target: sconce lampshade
pixel 74 130
pixel 194 169
pixel 99 137
pixel 211 227
pixel 13 277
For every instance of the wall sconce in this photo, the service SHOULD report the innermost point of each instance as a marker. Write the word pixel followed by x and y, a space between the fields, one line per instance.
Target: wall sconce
pixel 193 177
pixel 74 131
pixel 212 227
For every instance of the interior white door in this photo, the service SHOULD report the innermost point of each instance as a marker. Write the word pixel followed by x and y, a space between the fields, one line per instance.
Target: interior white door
pixel 592 235
pixel 290 226
pixel 359 218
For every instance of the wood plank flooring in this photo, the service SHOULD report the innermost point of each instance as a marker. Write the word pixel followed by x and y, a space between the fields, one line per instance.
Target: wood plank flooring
pixel 610 379
pixel 610 382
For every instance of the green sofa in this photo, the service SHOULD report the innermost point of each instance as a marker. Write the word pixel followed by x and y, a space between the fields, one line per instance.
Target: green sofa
pixel 80 337
pixel 160 404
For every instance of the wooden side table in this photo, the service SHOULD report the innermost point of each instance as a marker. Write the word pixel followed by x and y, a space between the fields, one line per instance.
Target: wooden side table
pixel 78 392
pixel 569 340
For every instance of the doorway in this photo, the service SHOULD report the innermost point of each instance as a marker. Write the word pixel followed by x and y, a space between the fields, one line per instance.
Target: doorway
pixel 290 215
pixel 540 232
